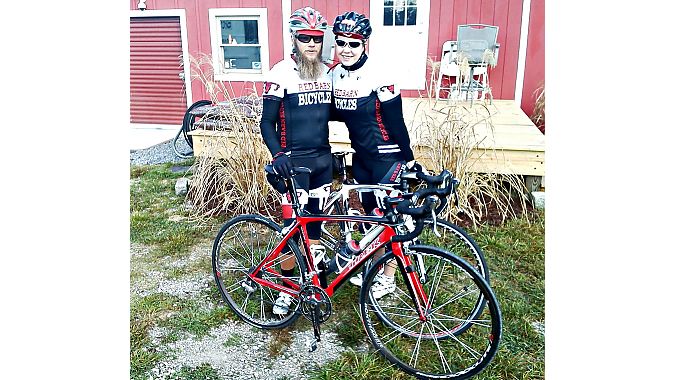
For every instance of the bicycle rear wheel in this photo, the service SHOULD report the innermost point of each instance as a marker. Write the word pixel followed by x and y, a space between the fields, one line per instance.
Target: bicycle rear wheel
pixel 433 348
pixel 240 246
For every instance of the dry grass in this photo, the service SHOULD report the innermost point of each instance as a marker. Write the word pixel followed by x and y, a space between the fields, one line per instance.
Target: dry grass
pixel 538 116
pixel 236 184
pixel 447 137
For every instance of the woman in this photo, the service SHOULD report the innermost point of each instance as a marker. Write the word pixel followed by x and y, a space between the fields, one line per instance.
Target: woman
pixel 370 105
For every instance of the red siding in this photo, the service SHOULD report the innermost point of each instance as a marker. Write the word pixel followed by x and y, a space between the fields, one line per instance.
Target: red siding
pixel 535 56
pixel 445 16
pixel 157 94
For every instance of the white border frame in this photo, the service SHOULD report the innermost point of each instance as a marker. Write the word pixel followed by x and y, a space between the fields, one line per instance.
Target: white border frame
pixel 214 33
pixel 184 43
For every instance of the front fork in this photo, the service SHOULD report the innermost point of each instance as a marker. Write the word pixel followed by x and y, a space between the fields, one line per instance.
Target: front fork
pixel 414 277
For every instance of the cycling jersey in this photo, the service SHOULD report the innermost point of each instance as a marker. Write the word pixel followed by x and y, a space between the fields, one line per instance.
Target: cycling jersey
pixel 296 112
pixel 370 106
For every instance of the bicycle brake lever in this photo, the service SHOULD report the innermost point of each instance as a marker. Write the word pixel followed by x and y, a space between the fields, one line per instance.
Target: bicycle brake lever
pixel 434 221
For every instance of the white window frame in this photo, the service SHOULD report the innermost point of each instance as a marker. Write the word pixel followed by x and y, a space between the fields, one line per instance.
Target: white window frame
pixel 244 75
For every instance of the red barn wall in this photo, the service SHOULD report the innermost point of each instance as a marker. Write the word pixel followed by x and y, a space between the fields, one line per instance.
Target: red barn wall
pixel 534 75
pixel 445 16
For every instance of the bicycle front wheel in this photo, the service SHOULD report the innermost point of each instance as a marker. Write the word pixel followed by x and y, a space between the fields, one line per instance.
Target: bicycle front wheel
pixel 430 347
pixel 456 241
pixel 240 246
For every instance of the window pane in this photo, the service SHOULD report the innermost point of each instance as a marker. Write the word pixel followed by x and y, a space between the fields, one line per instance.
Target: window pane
pixel 387 16
pixel 388 2
pixel 239 32
pixel 411 3
pixel 411 16
pixel 399 16
pixel 242 57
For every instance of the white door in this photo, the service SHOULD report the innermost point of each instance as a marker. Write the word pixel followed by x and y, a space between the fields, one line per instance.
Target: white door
pixel 400 29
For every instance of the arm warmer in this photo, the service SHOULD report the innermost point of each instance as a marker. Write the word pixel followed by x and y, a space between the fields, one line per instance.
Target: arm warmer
pixel 269 118
pixel 393 118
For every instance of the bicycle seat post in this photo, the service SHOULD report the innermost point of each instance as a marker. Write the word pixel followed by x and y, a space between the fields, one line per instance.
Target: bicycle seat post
pixel 343 168
pixel 339 158
pixel 291 186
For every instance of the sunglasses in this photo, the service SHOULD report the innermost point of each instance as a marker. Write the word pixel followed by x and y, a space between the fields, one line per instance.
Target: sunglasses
pixel 353 44
pixel 304 38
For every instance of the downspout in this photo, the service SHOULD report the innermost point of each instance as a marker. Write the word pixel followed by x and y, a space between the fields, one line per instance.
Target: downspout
pixel 523 47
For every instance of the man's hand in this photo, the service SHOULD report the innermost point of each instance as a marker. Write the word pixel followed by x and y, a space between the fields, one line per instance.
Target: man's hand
pixel 282 165
pixel 414 166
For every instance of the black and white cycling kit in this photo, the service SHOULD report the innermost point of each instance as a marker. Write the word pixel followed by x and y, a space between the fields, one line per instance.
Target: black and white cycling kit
pixel 370 105
pixel 296 112
pixel 295 121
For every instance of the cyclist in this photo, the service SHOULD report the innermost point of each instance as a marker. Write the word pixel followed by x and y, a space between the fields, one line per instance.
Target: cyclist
pixel 294 125
pixel 370 105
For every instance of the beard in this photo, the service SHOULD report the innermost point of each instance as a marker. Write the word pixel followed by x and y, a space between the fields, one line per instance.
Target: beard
pixel 309 68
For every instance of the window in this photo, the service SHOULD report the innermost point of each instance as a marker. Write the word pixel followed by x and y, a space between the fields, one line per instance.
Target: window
pixel 239 43
pixel 400 12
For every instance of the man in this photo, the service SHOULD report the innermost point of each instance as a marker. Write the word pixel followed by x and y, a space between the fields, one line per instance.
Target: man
pixel 294 125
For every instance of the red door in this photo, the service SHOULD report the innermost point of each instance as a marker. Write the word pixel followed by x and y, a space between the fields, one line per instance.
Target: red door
pixel 156 84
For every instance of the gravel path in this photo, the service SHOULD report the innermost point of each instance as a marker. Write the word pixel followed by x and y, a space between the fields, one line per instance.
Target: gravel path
pixel 160 153
pixel 235 349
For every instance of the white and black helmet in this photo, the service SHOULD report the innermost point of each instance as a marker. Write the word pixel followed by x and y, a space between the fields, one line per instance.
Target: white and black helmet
pixel 352 25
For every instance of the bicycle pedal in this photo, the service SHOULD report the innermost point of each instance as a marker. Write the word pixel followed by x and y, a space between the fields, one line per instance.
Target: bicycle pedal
pixel 313 346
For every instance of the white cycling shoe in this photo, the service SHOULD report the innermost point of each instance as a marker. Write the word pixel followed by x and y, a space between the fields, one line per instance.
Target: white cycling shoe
pixel 383 285
pixel 357 280
pixel 282 304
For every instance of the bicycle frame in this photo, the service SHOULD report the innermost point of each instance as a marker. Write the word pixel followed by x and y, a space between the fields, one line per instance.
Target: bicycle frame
pixel 299 226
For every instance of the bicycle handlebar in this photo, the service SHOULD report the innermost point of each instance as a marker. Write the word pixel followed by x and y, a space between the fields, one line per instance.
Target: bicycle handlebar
pixel 417 212
pixel 429 195
pixel 433 179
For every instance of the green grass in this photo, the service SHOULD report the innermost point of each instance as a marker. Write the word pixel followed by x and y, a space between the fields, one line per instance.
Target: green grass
pixel 153 203
pixel 514 253
pixel 197 321
pixel 203 372
pixel 144 314
pixel 515 256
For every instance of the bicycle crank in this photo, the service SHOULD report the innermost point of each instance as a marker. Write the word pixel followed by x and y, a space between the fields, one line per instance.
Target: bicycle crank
pixel 316 306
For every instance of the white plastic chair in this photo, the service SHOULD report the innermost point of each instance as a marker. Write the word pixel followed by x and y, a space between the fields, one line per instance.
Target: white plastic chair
pixel 449 69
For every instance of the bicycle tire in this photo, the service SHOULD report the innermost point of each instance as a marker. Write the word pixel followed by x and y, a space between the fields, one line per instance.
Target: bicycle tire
pixel 439 353
pixel 241 244
pixel 456 241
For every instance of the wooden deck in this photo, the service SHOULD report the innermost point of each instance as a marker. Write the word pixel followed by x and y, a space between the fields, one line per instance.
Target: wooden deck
pixel 507 142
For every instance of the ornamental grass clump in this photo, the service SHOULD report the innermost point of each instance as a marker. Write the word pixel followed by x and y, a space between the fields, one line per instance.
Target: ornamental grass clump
pixel 456 136
pixel 228 178
pixel 449 140
pixel 538 116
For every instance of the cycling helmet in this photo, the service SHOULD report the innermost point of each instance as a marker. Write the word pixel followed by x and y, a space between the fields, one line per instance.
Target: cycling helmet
pixel 352 25
pixel 308 21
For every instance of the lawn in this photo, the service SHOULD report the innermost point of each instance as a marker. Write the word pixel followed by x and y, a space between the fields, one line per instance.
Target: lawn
pixel 180 328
